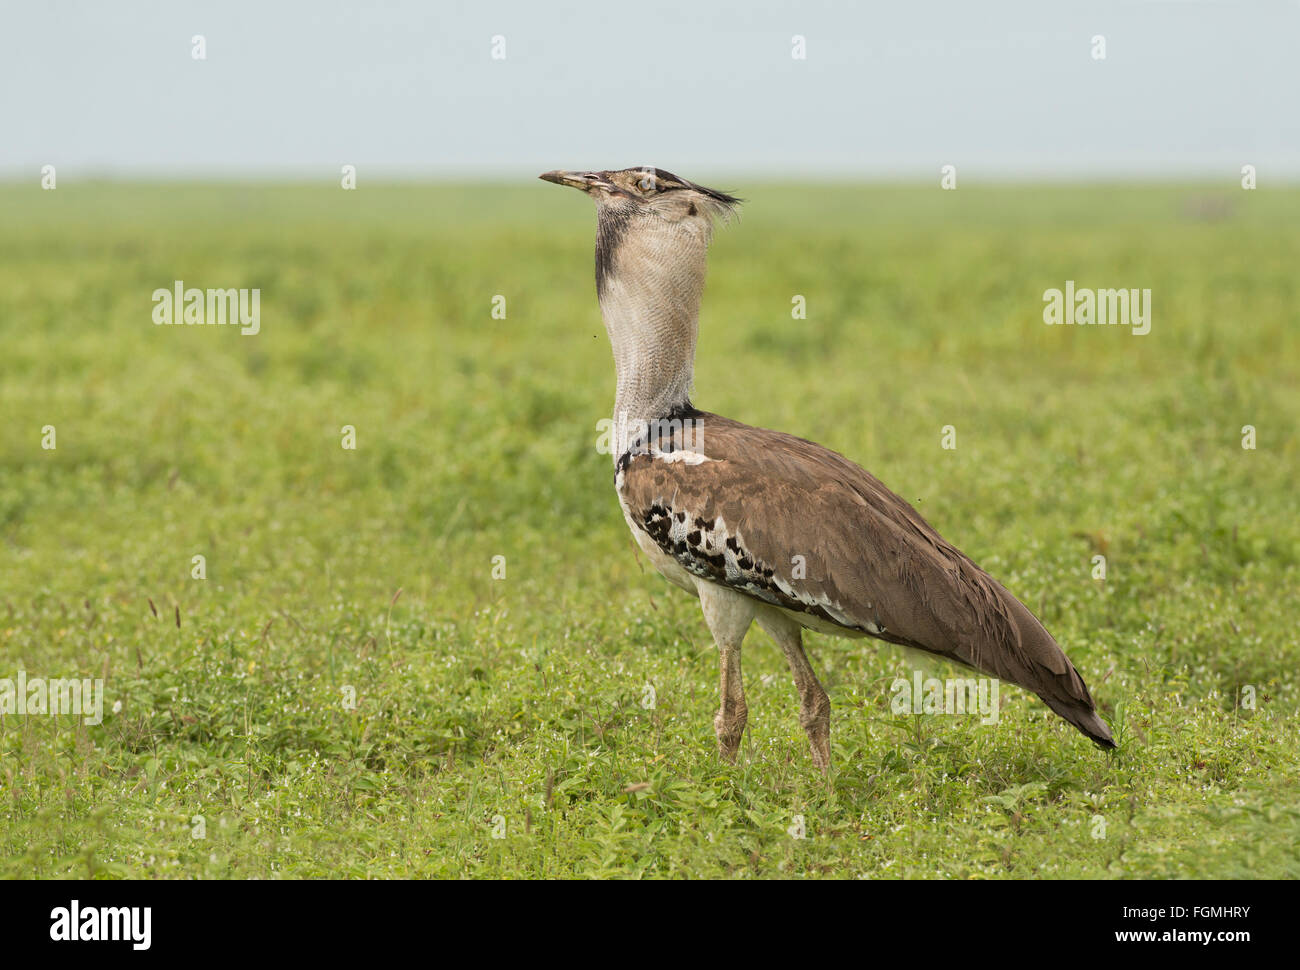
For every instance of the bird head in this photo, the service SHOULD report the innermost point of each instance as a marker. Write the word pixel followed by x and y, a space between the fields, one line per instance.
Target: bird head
pixel 648 216
pixel 650 192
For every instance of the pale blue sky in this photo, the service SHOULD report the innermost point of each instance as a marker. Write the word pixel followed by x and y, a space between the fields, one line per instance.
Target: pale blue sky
pixel 403 88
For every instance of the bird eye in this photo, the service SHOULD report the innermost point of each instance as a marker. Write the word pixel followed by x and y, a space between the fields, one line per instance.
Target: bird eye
pixel 647 183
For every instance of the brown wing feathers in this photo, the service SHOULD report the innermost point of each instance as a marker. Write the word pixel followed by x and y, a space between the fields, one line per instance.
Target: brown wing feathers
pixel 867 561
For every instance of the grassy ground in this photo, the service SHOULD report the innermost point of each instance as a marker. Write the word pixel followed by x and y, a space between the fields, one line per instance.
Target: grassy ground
pixel 513 706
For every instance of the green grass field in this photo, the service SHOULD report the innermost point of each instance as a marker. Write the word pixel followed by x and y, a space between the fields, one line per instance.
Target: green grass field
pixel 499 721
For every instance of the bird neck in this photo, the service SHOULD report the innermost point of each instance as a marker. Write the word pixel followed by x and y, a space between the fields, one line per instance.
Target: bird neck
pixel 652 382
pixel 650 300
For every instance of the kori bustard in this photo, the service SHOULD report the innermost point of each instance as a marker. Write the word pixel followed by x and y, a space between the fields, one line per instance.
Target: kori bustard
pixel 765 526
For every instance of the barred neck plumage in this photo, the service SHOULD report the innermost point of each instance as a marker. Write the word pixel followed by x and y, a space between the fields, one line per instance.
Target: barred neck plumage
pixel 649 279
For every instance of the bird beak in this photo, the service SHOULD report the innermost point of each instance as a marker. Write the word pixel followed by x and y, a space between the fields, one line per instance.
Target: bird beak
pixel 574 180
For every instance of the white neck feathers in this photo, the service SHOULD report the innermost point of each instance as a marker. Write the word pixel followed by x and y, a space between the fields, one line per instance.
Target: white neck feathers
pixel 650 298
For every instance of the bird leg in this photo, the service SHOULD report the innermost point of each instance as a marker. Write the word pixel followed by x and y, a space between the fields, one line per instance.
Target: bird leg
pixel 728 615
pixel 814 704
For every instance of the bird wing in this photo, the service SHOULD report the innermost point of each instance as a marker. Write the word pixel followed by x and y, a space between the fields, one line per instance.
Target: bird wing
pixel 800 527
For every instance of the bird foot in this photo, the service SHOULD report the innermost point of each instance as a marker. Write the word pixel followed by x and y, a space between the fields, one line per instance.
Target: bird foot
pixel 729 726
pixel 817 725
